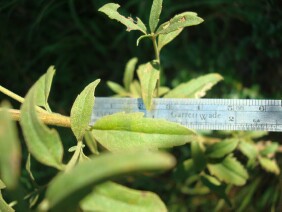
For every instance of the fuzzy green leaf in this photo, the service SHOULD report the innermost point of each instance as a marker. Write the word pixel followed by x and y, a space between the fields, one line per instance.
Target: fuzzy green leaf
pixel 222 148
pixel 129 72
pixel 198 156
pixel 82 109
pixel 269 165
pixel 111 196
pixel 118 89
pixel 67 189
pixel 165 39
pixel 179 21
pixel 155 13
pixel 91 143
pixel 110 10
pixel 148 75
pixel 44 88
pixel 10 149
pixel 43 143
pixel 229 170
pixel 195 88
pixel 122 132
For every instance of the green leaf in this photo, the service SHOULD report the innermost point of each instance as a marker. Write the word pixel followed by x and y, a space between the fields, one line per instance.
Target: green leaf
pixel 248 149
pixel 10 149
pixel 67 189
pixel 135 89
pixel 162 91
pixel 155 13
pixel 179 21
pixel 4 207
pixel 198 156
pixel 148 75
pixel 117 88
pixel 269 165
pixel 229 170
pixel 165 39
pixel 195 88
pixel 44 88
pixel 43 143
pixel 222 148
pixel 215 186
pixel 122 132
pixel 270 148
pixel 111 196
pixel 82 109
pixel 129 72
pixel 91 143
pixel 110 10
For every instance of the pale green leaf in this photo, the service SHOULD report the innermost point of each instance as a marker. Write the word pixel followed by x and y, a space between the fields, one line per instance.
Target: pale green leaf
pixel 248 149
pixel 10 149
pixel 110 10
pixel 129 72
pixel 179 21
pixel 198 156
pixel 118 89
pixel 229 170
pixel 155 13
pixel 195 88
pixel 4 207
pixel 43 143
pixel 82 109
pixel 91 143
pixel 148 75
pixel 222 148
pixel 122 132
pixel 135 89
pixel 111 196
pixel 269 165
pixel 270 148
pixel 141 25
pixel 165 39
pixel 162 91
pixel 68 189
pixel 44 87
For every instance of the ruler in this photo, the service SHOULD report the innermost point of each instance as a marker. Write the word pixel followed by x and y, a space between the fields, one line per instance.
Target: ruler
pixel 201 114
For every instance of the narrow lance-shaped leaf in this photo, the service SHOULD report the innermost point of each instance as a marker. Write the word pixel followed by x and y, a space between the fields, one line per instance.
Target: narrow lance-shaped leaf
pixel 43 143
pixel 229 170
pixel 164 39
pixel 10 149
pixel 179 21
pixel 156 10
pixel 129 72
pixel 67 189
pixel 110 9
pixel 82 109
pixel 111 196
pixel 135 89
pixel 148 75
pixel 118 89
pixel 222 148
pixel 195 88
pixel 122 132
pixel 91 143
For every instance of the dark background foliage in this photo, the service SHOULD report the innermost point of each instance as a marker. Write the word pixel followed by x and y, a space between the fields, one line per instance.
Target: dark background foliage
pixel 239 39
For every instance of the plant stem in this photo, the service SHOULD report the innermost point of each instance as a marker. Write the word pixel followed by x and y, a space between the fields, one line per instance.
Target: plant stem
pixel 47 118
pixel 74 157
pixel 17 97
pixel 157 55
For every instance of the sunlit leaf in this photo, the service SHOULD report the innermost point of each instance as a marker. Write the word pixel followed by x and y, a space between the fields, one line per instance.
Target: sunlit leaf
pixel 195 88
pixel 129 72
pixel 162 91
pixel 82 109
pixel 4 207
pixel 67 189
pixel 222 148
pixel 165 39
pixel 269 165
pixel 198 156
pixel 111 196
pixel 270 148
pixel 229 170
pixel 148 75
pixel 135 89
pixel 110 10
pixel 156 10
pixel 179 21
pixel 91 143
pixel 248 149
pixel 118 89
pixel 44 88
pixel 122 132
pixel 43 143
pixel 10 149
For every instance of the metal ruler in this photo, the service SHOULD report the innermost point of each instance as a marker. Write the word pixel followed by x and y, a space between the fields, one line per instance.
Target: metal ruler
pixel 203 114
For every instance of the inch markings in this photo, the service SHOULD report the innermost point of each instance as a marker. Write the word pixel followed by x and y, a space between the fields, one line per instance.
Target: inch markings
pixel 211 114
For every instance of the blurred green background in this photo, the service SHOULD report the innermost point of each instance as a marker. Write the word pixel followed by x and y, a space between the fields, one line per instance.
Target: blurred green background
pixel 239 39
